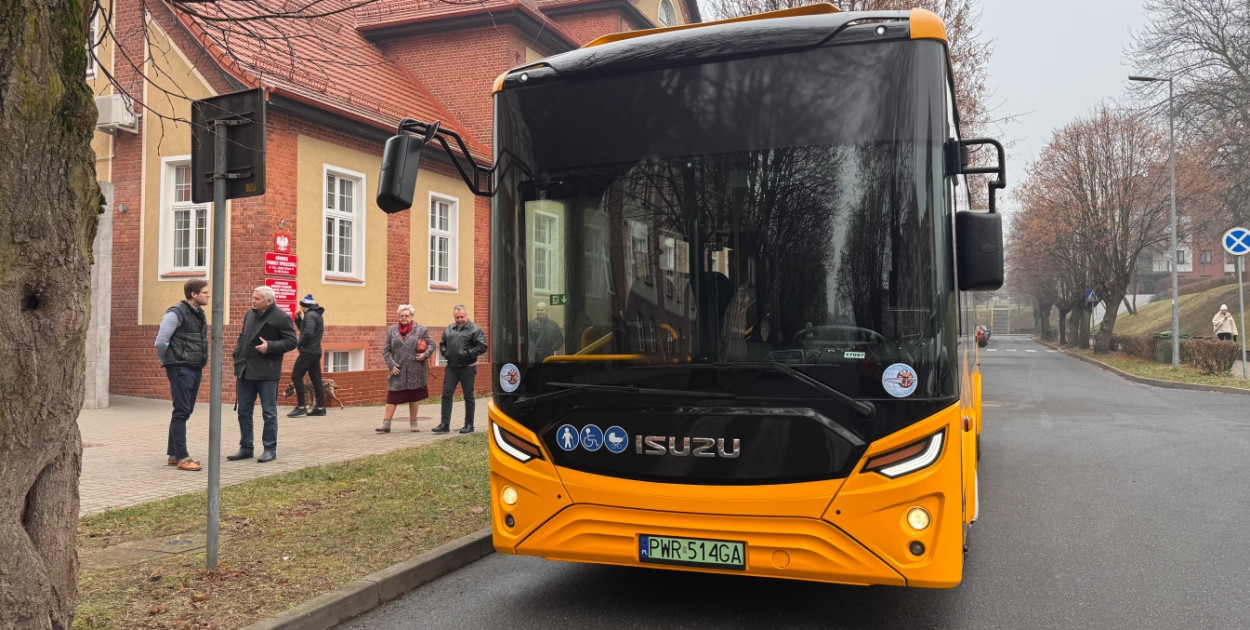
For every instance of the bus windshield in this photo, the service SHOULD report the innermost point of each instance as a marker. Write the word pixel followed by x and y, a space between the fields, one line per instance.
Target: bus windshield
pixel 761 210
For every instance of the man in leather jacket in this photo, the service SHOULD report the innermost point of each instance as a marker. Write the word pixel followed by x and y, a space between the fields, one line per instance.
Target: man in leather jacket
pixel 462 343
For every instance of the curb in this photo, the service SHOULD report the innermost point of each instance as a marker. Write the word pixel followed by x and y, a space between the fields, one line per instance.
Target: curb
pixel 1151 381
pixel 378 588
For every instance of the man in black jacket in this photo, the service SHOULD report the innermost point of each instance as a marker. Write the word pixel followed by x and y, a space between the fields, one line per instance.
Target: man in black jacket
pixel 267 334
pixel 182 347
pixel 311 327
pixel 462 343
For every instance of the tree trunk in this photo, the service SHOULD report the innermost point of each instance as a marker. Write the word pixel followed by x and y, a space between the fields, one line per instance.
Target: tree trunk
pixel 49 202
pixel 1102 340
pixel 1042 317
pixel 1078 328
pixel 1063 328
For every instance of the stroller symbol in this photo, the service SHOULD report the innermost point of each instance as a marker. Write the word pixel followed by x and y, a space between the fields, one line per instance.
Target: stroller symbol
pixel 616 439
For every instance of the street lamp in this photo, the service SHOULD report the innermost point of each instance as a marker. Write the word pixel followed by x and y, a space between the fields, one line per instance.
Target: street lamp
pixel 1176 318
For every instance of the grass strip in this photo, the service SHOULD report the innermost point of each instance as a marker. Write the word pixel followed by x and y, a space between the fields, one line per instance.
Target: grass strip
pixel 1164 371
pixel 286 538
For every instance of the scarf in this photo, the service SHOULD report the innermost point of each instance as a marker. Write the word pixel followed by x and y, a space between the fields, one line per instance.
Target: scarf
pixel 404 330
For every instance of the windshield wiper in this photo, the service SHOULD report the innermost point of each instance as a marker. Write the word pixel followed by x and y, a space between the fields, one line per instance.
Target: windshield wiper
pixel 862 407
pixel 569 389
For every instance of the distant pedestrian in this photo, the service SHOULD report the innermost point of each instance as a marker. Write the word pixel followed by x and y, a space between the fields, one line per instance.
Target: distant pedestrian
pixel 267 334
pixel 1225 327
pixel 406 350
pixel 462 343
pixel 311 328
pixel 182 347
pixel 546 338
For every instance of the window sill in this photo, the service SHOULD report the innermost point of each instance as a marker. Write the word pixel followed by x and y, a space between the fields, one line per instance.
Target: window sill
pixel 444 288
pixel 177 275
pixel 342 279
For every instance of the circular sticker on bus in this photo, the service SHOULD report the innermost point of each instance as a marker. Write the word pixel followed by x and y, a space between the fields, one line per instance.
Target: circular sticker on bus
pixel 899 380
pixel 567 437
pixel 509 378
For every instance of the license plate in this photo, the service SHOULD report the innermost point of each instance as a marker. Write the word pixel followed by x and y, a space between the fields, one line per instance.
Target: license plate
pixel 696 552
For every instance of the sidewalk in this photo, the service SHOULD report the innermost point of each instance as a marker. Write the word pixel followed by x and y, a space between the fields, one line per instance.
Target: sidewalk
pixel 124 458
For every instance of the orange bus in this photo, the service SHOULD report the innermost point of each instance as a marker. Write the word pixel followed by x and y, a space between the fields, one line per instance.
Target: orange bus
pixel 728 262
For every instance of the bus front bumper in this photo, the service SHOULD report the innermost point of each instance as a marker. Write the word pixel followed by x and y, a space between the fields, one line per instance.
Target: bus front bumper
pixel 784 547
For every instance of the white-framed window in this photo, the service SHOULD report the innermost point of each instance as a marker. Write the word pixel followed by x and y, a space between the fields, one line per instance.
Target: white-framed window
pixel 1205 258
pixel 184 236
pixel 343 361
pixel 444 241
pixel 337 361
pixel 93 34
pixel 343 236
pixel 667 13
pixel 545 235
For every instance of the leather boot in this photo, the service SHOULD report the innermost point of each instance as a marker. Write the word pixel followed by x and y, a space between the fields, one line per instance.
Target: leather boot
pixel 386 426
pixel 467 428
pixel 441 428
pixel 244 453
pixel 412 425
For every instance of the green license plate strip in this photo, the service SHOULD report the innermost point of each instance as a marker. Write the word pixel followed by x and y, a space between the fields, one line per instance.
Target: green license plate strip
pixel 693 552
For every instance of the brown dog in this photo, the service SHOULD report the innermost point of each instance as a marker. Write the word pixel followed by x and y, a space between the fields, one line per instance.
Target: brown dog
pixel 309 395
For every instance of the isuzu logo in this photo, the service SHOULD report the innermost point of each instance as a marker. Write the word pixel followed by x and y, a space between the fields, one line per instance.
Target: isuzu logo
pixel 685 446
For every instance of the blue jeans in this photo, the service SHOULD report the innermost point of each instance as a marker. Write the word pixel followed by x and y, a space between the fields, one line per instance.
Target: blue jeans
pixel 268 391
pixel 184 386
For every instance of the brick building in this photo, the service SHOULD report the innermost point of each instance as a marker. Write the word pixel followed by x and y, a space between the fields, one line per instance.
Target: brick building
pixel 338 78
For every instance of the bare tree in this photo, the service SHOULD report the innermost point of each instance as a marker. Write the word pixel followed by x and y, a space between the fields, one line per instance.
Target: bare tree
pixel 970 54
pixel 1032 266
pixel 1203 46
pixel 1104 182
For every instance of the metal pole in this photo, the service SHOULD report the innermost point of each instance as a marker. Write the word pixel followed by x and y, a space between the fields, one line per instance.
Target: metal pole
pixel 1241 297
pixel 1176 298
pixel 219 319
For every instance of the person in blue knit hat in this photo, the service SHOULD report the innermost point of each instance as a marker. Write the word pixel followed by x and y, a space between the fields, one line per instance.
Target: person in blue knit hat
pixel 312 327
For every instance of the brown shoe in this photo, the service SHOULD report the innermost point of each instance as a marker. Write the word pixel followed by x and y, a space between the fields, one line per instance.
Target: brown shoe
pixel 173 461
pixel 189 464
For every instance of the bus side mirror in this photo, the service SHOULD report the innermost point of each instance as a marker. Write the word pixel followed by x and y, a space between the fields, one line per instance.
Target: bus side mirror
pixel 398 181
pixel 979 253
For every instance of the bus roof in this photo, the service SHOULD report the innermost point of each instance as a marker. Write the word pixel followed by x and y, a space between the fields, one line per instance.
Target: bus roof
pixel 776 31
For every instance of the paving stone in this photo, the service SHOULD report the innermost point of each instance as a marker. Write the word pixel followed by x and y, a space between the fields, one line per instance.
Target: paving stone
pixel 125 465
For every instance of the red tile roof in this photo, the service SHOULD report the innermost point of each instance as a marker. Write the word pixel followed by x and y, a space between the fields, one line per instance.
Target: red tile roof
pixel 383 14
pixel 316 55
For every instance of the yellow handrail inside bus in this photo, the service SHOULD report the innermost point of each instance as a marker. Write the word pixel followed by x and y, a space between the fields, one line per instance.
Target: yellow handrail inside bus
pixel 585 353
pixel 568 358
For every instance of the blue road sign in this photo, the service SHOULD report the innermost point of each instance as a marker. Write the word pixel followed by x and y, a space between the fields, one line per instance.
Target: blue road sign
pixel 1091 297
pixel 1237 241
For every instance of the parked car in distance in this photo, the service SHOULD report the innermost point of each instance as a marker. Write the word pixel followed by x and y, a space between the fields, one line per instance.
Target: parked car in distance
pixel 983 335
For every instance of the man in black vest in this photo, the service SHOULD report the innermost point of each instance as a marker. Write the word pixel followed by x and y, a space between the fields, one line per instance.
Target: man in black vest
pixel 182 347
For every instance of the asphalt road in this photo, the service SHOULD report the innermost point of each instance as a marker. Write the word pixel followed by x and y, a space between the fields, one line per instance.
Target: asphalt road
pixel 1106 504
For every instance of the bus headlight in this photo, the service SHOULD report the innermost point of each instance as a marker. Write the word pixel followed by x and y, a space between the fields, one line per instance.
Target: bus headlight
pixel 513 445
pixel 917 517
pixel 908 459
